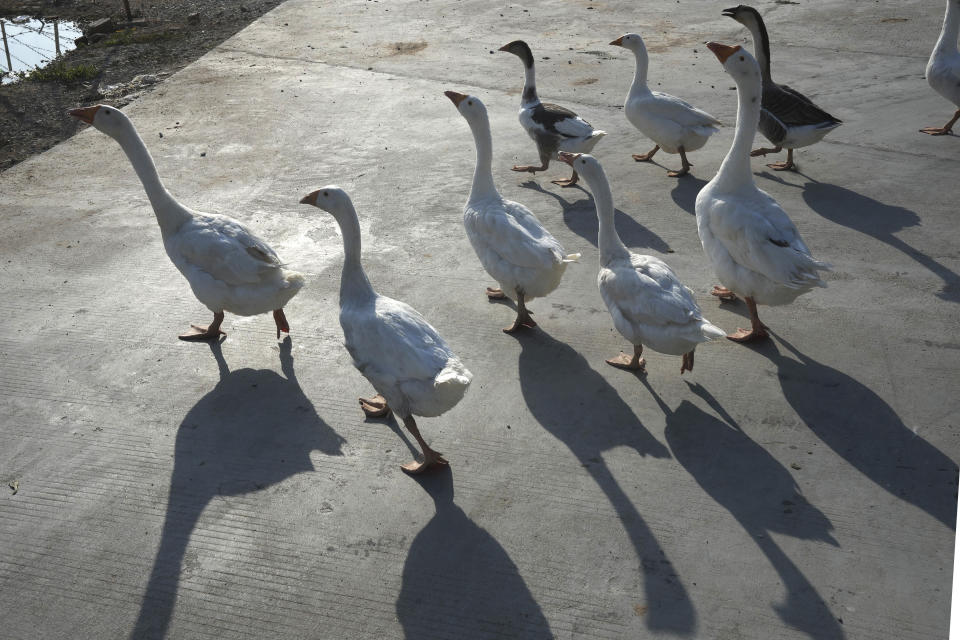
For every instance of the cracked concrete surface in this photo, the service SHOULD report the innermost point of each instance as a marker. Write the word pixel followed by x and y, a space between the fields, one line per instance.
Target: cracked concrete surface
pixel 805 488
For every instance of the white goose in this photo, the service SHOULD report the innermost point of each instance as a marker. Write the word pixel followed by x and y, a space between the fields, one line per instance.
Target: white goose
pixel 648 303
pixel 393 346
pixel 552 127
pixel 755 249
pixel 227 266
pixel 512 245
pixel 674 125
pixel 943 68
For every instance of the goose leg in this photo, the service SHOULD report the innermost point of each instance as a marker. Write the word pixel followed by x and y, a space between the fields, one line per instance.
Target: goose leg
pixel 723 293
pixel 210 332
pixel 529 168
pixel 945 129
pixel 281 321
pixel 431 458
pixel 686 165
pixel 762 151
pixel 687 362
pixel 495 294
pixel 623 361
pixel 646 157
pixel 786 165
pixel 523 321
pixel 757 331
pixel 569 182
pixel 375 407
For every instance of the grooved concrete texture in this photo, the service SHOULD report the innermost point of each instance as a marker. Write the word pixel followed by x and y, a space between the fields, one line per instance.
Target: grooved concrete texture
pixel 805 488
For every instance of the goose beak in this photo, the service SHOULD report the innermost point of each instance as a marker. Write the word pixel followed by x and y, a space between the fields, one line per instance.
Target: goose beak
pixel 86 113
pixel 566 156
pixel 730 13
pixel 505 47
pixel 455 97
pixel 722 51
pixel 618 42
pixel 310 198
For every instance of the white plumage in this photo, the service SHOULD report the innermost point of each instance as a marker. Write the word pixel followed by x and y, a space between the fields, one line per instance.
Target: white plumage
pixel 676 126
pixel 755 248
pixel 648 303
pixel 943 68
pixel 513 247
pixel 392 345
pixel 228 267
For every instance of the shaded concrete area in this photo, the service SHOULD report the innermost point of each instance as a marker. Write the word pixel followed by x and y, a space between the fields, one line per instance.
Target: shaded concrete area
pixel 803 488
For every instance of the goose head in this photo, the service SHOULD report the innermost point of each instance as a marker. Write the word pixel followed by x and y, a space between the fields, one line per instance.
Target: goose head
pixel 107 119
pixel 470 107
pixel 585 165
pixel 331 199
pixel 520 49
pixel 631 41
pixel 736 61
pixel 743 14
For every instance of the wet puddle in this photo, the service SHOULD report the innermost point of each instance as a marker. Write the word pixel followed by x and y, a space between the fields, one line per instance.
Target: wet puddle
pixel 33 42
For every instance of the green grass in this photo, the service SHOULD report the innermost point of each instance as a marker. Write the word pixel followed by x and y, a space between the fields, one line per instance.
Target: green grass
pixel 60 71
pixel 131 36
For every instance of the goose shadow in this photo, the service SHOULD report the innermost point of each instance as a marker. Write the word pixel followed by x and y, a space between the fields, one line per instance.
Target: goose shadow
pixel 877 220
pixel 759 493
pixel 859 426
pixel 578 407
pixel 458 581
pixel 253 430
pixel 685 192
pixel 581 218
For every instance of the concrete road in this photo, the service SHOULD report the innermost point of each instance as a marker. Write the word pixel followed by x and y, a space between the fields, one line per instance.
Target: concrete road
pixel 804 488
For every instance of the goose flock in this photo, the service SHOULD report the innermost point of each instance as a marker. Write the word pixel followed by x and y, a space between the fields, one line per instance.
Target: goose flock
pixel 756 251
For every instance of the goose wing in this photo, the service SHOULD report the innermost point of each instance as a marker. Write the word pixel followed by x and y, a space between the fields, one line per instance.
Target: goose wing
pixel 680 111
pixel 792 107
pixel 513 232
pixel 561 121
pixel 760 236
pixel 649 292
pixel 225 249
pixel 395 341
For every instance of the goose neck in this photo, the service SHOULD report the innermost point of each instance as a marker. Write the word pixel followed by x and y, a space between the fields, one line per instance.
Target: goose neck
pixel 169 213
pixel 735 169
pixel 951 28
pixel 354 284
pixel 761 44
pixel 639 85
pixel 608 240
pixel 483 186
pixel 529 96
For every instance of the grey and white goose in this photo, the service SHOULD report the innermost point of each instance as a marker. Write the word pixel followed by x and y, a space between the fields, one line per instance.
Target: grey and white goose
pixel 788 118
pixel 552 127
pixel 943 68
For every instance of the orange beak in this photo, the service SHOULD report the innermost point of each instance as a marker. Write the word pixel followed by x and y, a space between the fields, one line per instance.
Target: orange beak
pixel 722 51
pixel 455 97
pixel 310 198
pixel 566 156
pixel 618 42
pixel 86 113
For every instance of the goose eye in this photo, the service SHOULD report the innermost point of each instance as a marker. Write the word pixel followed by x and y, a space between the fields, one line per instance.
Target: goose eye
pixel 469 103
pixel 742 58
pixel 325 194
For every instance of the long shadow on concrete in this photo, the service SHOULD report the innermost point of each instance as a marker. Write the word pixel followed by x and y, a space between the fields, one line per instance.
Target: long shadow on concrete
pixel 575 404
pixel 760 493
pixel 254 429
pixel 685 192
pixel 581 217
pixel 459 582
pixel 866 432
pixel 875 219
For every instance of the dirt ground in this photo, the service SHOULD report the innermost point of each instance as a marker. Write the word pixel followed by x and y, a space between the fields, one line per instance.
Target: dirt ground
pixel 172 34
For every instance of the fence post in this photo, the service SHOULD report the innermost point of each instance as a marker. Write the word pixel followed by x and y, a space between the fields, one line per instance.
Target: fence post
pixel 56 35
pixel 6 47
pixel 126 5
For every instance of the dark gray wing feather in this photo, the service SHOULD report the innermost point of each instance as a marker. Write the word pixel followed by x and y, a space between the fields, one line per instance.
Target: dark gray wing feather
pixel 792 108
